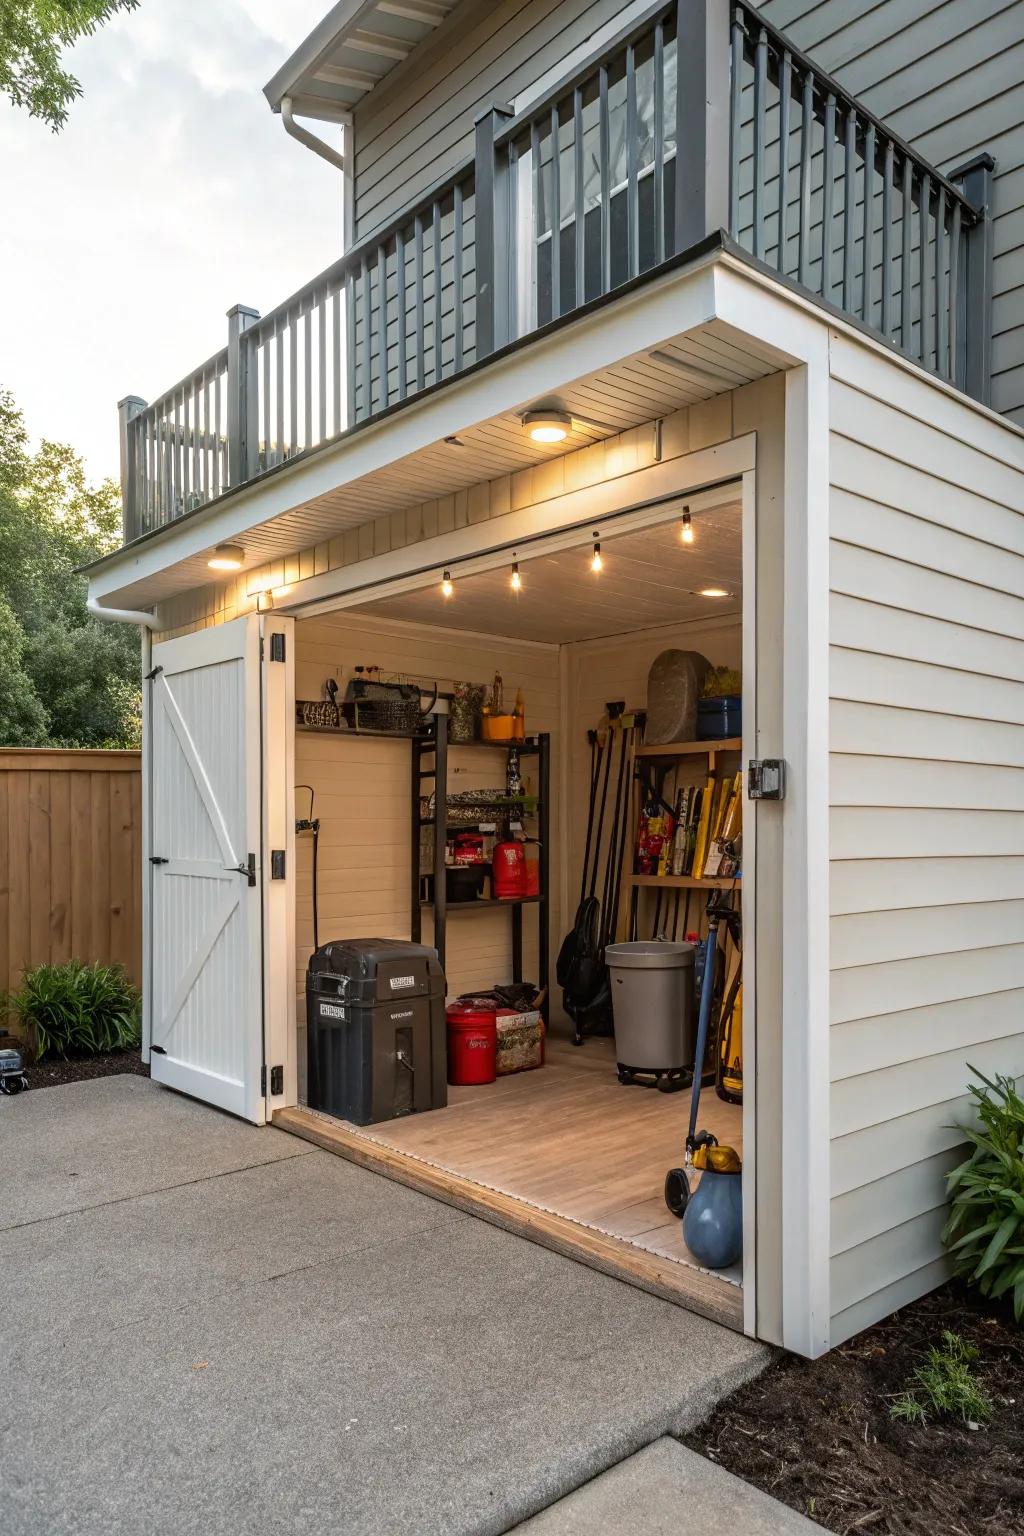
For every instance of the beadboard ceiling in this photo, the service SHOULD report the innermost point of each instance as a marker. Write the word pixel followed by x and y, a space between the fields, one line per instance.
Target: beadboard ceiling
pixel 648 578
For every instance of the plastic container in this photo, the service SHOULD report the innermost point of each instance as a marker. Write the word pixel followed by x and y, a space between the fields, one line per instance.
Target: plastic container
pixel 653 1010
pixel 509 871
pixel 472 1045
pixel 720 718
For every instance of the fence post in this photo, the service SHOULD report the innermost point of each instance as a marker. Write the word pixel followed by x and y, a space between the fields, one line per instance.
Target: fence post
pixel 242 400
pixel 128 408
pixel 495 262
pixel 702 120
pixel 975 330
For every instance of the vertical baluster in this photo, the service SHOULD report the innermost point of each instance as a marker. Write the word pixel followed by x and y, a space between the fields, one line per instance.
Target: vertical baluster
pixel 307 376
pixel 954 296
pixel 438 293
pixel 827 195
pixel 217 477
pixel 941 290
pixel 513 239
pixel 351 361
pixel 760 109
pixel 735 121
pixel 806 146
pixel 186 459
pixel 632 156
pixel 269 456
pixel 537 178
pixel 556 214
pixel 659 142
pixel 293 378
pixel 204 449
pixel 457 305
pixel 400 298
pixel 321 359
pixel 336 374
pixel 849 204
pixel 195 436
pixel 368 332
pixel 579 214
pixel 867 307
pixel 924 276
pixel 420 320
pixel 906 289
pixel 279 384
pixel 382 320
pixel 785 92
pixel 175 457
pixel 604 134
pixel 887 241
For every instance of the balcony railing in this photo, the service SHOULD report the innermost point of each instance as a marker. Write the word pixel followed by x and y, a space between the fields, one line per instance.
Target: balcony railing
pixel 561 205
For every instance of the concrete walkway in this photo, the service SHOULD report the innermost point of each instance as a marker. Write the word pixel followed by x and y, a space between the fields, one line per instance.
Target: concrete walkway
pixel 210 1328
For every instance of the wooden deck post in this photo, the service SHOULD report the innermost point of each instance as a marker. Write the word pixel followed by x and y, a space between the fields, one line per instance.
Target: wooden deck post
pixel 242 400
pixel 128 408
pixel 494 260
pixel 975 299
pixel 702 120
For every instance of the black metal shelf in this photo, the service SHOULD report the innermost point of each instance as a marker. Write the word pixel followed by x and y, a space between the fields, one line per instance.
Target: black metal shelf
pixel 484 902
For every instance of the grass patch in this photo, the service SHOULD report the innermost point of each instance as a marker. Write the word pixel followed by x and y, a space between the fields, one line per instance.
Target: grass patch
pixel 944 1385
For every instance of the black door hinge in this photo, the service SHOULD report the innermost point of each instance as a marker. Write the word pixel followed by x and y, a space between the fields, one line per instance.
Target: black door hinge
pixel 156 858
pixel 276 1080
pixel 277 646
pixel 277 863
pixel 155 673
pixel 248 869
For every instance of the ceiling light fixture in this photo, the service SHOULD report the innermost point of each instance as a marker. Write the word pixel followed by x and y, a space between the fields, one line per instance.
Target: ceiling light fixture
pixel 686 532
pixel 517 580
pixel 227 557
pixel 547 426
pixel 447 585
pixel 714 592
pixel 596 563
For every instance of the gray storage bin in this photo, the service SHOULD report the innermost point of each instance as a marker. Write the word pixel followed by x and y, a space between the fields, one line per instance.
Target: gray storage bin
pixel 653 1009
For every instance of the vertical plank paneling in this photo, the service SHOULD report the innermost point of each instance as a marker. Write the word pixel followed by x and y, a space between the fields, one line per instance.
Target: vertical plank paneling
pixel 19 874
pixel 60 866
pixel 39 862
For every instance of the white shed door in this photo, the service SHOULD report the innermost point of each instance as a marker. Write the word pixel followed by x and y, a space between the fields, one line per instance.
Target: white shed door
pixel 206 930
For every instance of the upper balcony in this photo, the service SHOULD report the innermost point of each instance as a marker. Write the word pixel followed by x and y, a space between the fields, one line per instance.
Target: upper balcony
pixel 698 123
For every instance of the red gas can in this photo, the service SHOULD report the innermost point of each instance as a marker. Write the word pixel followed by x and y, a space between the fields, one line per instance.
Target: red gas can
pixel 472 1044
pixel 509 870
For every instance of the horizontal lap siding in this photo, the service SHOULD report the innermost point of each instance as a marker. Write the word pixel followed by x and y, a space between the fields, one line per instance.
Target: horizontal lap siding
pixel 363 790
pixel 946 74
pixel 927 809
pixel 417 127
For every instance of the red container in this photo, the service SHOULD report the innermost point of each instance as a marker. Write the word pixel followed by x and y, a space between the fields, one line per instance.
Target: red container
pixel 509 870
pixel 472 1044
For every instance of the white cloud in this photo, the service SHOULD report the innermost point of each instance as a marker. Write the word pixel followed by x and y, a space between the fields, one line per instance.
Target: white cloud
pixel 172 193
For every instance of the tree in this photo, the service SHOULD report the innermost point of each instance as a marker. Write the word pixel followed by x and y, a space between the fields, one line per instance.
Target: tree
pixel 73 680
pixel 32 35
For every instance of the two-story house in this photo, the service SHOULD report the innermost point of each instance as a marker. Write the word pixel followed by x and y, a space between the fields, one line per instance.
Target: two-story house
pixel 739 311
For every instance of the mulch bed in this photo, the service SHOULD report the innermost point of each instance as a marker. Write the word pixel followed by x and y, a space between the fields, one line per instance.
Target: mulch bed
pixel 818 1436
pixel 50 1074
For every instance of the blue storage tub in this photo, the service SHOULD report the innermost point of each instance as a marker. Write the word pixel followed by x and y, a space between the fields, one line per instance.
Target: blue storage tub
pixel 719 718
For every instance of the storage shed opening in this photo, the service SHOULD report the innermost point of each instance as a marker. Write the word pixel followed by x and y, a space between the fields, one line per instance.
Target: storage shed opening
pixel 541 659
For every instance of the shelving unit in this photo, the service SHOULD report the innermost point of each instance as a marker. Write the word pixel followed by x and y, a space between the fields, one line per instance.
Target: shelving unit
pixel 430 765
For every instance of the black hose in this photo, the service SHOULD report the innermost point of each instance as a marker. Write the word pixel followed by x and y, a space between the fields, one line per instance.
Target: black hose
pixel 316 913
pixel 595 773
pixel 600 819
pixel 613 844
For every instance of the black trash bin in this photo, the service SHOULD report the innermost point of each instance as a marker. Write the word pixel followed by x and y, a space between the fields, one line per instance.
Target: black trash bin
pixel 375 1029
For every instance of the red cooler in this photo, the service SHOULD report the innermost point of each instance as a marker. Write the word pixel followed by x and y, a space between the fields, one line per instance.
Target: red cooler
pixel 472 1044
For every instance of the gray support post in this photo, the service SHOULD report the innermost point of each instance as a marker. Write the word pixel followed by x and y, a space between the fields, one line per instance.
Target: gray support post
pixel 242 397
pixel 975 298
pixel 702 120
pixel 495 262
pixel 127 408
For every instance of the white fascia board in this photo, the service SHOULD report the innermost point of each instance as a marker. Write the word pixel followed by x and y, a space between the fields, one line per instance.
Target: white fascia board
pixel 759 309
pixel 315 48
pixel 637 322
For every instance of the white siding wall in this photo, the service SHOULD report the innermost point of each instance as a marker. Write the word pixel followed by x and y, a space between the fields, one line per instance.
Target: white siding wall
pixel 362 789
pixel 927 794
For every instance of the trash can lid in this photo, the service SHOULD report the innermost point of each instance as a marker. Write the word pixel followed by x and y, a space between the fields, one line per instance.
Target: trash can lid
pixel 649 955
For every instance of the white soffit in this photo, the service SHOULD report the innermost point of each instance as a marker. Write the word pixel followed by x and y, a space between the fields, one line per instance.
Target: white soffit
pixel 358 43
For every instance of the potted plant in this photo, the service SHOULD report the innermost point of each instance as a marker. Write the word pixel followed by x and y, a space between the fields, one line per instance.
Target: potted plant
pixel 719 713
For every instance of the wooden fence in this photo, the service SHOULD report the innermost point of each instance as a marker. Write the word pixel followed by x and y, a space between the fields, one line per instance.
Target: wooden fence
pixel 70 859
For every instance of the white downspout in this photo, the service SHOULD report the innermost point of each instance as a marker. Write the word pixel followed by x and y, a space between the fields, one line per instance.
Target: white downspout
pixel 341 161
pixel 147 623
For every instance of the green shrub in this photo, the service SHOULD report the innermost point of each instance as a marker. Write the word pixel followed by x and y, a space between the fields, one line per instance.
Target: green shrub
pixel 77 1010
pixel 985 1229
pixel 944 1384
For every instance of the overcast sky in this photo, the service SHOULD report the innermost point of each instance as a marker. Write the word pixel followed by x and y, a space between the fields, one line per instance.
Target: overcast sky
pixel 172 193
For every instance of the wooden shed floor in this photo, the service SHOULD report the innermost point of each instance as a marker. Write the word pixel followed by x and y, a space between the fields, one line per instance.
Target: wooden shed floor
pixel 565 1155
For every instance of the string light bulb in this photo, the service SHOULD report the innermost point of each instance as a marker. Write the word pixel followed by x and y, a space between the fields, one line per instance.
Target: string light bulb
pixel 517 580
pixel 596 563
pixel 686 532
pixel 447 585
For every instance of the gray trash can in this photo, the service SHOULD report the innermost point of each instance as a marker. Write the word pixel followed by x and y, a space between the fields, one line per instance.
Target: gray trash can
pixel 653 1008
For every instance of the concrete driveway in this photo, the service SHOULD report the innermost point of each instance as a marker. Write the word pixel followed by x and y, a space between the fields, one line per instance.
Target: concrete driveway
pixel 212 1328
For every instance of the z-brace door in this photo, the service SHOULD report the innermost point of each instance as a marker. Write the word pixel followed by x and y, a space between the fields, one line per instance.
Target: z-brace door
pixel 206 930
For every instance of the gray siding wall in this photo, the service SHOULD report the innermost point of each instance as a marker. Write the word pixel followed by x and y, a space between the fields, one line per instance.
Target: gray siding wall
pixel 418 126
pixel 949 76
